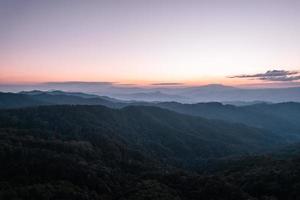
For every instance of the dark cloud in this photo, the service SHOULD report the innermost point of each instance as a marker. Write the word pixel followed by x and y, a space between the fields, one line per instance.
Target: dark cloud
pixel 281 78
pixel 126 84
pixel 79 83
pixel 272 75
pixel 166 84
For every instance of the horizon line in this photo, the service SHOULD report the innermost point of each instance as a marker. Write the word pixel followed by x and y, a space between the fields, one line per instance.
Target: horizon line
pixel 155 84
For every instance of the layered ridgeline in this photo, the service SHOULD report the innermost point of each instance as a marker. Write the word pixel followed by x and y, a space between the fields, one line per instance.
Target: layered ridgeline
pixel 38 98
pixel 137 152
pixel 183 94
pixel 207 93
pixel 157 133
pixel 58 145
pixel 282 118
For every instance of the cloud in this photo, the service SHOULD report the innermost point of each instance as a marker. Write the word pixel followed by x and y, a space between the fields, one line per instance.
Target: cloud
pixel 167 84
pixel 126 84
pixel 272 75
pixel 281 78
pixel 79 83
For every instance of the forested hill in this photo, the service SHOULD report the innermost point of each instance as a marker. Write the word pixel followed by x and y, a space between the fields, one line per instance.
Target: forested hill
pixel 283 118
pixel 280 118
pixel 159 133
pixel 94 152
pixel 38 98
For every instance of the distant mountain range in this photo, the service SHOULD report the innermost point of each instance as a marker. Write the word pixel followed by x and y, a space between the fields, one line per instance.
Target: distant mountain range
pixel 183 94
pixel 35 98
pixel 151 97
pixel 283 118
pixel 72 145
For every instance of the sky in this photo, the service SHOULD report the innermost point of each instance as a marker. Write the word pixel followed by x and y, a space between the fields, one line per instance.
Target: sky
pixel 149 42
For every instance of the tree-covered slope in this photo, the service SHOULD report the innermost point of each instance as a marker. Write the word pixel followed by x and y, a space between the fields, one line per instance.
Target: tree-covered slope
pixel 94 152
pixel 13 100
pixel 283 118
pixel 41 165
pixel 161 133
pixel 271 176
pixel 38 98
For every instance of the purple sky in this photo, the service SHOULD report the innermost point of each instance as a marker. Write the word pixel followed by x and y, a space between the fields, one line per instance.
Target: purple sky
pixel 147 41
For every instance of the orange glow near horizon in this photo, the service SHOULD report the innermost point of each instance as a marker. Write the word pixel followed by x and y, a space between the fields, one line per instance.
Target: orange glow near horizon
pixel 205 80
pixel 146 42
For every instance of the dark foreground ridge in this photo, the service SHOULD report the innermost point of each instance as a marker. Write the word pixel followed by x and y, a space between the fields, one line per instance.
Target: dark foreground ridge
pixel 94 152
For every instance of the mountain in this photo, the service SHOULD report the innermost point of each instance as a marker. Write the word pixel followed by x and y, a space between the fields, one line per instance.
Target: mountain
pixel 271 176
pixel 137 152
pixel 150 96
pixel 58 92
pixel 180 93
pixel 222 93
pixel 13 100
pixel 75 94
pixel 283 118
pixel 62 99
pixel 36 98
pixel 244 103
pixel 157 132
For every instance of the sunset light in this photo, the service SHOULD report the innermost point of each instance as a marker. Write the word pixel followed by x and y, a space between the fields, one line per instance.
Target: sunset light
pixel 141 42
